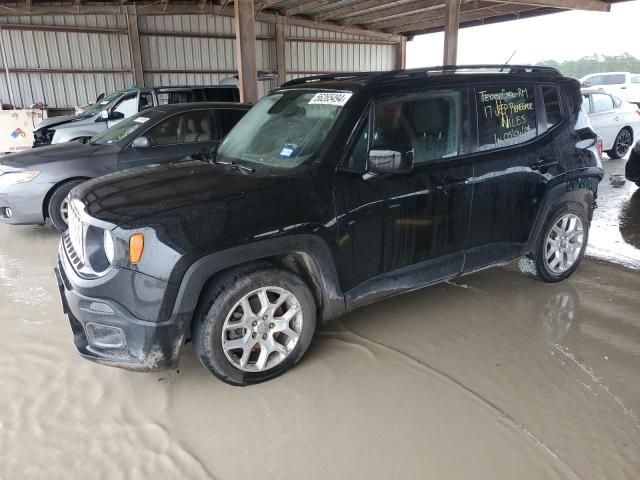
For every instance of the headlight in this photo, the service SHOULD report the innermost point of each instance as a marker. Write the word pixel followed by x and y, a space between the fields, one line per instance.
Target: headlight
pixel 11 178
pixel 109 247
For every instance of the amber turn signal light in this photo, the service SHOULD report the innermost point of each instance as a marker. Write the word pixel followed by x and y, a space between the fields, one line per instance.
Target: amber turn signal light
pixel 136 246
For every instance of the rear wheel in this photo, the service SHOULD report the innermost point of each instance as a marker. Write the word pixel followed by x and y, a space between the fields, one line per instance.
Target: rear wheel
pixel 621 146
pixel 561 246
pixel 254 324
pixel 58 207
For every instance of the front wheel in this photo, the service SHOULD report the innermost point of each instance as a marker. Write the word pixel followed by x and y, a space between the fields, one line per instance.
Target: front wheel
pixel 621 146
pixel 560 247
pixel 58 207
pixel 254 324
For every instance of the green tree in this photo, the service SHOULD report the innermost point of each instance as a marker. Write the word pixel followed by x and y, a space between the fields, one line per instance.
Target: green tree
pixel 596 63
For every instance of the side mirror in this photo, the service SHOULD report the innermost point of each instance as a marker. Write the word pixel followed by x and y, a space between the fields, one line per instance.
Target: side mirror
pixel 391 161
pixel 586 84
pixel 116 115
pixel 141 142
pixel 104 115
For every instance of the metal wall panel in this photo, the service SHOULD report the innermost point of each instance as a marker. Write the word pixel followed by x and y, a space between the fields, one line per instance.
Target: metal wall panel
pixel 197 60
pixel 103 56
pixel 103 63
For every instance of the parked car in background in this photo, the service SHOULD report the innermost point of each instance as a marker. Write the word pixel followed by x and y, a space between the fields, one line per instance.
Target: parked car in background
pixel 624 85
pixel 111 109
pixel 34 184
pixel 616 121
pixel 632 168
pixel 331 193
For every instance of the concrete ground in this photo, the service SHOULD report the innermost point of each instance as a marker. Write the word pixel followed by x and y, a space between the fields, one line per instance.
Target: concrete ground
pixel 492 376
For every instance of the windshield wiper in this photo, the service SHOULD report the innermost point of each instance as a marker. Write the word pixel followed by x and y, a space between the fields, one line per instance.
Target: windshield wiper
pixel 234 165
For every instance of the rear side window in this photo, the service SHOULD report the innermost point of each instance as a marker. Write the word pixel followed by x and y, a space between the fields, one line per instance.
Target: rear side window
pixel 552 106
pixel 185 96
pixel 220 94
pixel 601 102
pixel 427 122
pixel 617 79
pixel 635 78
pixel 506 116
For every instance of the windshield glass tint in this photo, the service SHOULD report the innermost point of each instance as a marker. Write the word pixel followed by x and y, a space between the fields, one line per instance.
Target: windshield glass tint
pixel 125 128
pixel 98 107
pixel 284 129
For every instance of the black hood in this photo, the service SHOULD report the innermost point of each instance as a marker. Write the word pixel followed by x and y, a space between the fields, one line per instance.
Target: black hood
pixel 138 192
pixel 54 153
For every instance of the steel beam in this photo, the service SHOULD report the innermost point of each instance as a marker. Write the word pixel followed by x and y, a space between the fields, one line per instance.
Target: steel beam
pixel 281 60
pixel 451 28
pixel 245 23
pixel 594 5
pixel 135 51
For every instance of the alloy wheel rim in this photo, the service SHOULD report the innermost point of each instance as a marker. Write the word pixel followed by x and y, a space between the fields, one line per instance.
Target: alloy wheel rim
pixel 64 210
pixel 564 243
pixel 623 144
pixel 262 329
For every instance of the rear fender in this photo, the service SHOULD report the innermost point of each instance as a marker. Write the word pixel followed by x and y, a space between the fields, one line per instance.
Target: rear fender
pixel 581 191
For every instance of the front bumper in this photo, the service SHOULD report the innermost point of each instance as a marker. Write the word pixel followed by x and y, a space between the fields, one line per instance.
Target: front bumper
pixel 108 332
pixel 25 200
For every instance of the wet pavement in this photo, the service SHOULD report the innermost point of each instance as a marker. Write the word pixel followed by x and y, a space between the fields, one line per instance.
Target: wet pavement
pixel 491 376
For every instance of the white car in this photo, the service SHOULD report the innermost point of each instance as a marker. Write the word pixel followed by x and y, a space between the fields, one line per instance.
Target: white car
pixel 616 121
pixel 625 85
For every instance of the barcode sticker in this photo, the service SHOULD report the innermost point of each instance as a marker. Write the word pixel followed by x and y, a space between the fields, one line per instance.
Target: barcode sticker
pixel 338 99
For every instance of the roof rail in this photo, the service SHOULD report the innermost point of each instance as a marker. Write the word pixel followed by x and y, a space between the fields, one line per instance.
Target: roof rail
pixel 452 69
pixel 381 77
pixel 330 76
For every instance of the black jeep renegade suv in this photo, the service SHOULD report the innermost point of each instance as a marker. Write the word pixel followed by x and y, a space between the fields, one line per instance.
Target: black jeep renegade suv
pixel 332 192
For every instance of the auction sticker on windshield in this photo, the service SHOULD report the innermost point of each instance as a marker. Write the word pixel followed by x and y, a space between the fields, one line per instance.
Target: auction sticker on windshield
pixel 141 120
pixel 338 99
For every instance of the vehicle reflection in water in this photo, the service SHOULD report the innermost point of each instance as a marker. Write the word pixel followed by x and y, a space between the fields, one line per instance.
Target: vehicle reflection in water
pixel 630 220
pixel 558 316
pixel 615 229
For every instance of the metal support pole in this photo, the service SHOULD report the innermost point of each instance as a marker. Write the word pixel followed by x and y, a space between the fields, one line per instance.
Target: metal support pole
pixel 281 51
pixel 135 51
pixel 451 27
pixel 245 24
pixel 401 54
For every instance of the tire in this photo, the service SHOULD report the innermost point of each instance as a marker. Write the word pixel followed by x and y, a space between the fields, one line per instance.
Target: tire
pixel 57 201
pixel 256 334
pixel 550 265
pixel 622 144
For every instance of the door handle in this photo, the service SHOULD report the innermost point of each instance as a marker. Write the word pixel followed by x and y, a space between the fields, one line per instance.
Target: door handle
pixel 449 182
pixel 543 164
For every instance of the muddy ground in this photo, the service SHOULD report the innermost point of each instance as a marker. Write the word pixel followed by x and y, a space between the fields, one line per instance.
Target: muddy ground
pixel 492 376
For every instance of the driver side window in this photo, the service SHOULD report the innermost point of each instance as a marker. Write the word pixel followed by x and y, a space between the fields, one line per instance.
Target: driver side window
pixel 427 122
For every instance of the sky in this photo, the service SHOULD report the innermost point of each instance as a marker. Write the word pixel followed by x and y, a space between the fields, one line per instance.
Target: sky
pixel 559 36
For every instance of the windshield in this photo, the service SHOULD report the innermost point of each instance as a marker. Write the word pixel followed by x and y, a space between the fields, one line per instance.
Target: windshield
pixel 98 107
pixel 284 129
pixel 123 129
